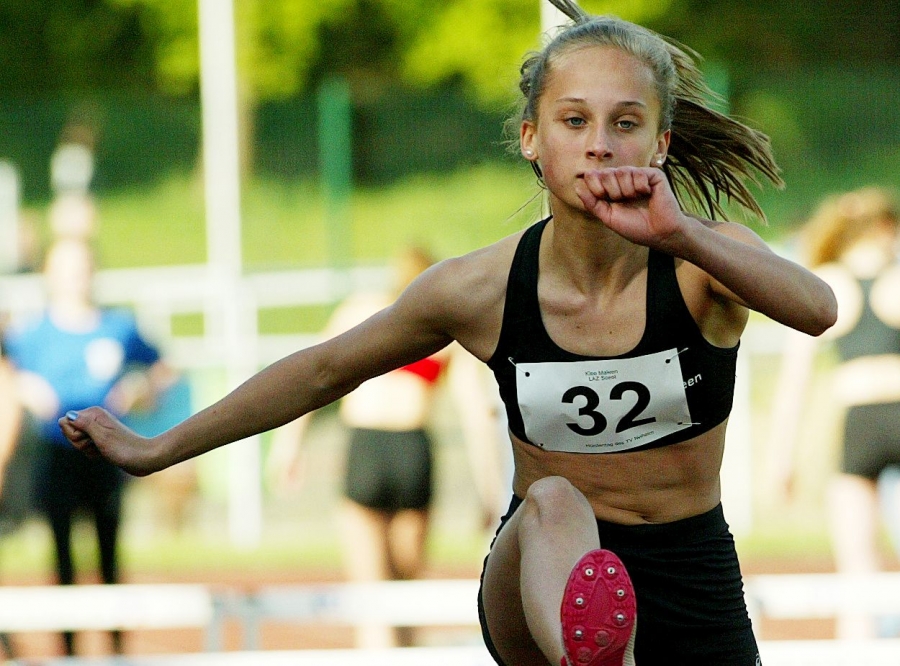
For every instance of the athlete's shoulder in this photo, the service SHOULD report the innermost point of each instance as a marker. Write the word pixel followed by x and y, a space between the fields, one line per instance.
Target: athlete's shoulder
pixel 478 275
pixel 468 292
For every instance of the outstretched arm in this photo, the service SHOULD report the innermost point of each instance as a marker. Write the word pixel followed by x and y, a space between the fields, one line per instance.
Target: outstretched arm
pixel 282 392
pixel 743 269
pixel 638 204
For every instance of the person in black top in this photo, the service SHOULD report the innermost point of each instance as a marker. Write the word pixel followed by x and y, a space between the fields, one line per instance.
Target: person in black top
pixel 851 242
pixel 615 122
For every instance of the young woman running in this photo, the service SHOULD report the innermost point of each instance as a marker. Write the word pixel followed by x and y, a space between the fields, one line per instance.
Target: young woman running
pixel 612 328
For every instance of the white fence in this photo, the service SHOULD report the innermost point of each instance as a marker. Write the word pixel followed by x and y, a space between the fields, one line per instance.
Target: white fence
pixel 104 607
pixel 159 294
pixel 439 603
pixel 799 596
pixel 773 653
pixel 430 656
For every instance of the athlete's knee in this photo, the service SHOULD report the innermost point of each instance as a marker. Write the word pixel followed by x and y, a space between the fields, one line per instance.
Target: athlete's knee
pixel 554 500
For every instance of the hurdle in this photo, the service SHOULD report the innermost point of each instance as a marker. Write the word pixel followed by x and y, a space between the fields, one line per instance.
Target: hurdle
pixel 875 652
pixel 413 603
pixel 110 607
pixel 402 603
pixel 814 596
pixel 418 603
pixel 773 653
pixel 415 656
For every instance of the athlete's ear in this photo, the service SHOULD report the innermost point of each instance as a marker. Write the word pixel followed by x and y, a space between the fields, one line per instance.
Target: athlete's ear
pixel 527 141
pixel 662 148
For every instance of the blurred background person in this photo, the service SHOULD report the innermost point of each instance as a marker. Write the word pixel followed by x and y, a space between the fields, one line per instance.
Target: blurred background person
pixel 14 474
pixel 389 469
pixel 76 354
pixel 852 242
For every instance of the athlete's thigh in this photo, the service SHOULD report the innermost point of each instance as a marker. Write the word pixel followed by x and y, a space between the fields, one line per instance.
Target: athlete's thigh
pixel 502 600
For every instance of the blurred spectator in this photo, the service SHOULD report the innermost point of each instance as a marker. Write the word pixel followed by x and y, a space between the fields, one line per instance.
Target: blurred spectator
pixel 389 468
pixel 72 211
pixel 76 354
pixel 13 502
pixel 72 163
pixel 73 215
pixel 13 476
pixel 851 242
pixel 28 242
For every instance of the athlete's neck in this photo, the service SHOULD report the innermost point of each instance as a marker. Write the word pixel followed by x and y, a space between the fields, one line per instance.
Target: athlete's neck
pixel 590 256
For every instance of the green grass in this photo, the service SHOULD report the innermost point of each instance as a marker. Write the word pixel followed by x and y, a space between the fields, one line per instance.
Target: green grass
pixel 28 554
pixel 284 223
pixel 284 226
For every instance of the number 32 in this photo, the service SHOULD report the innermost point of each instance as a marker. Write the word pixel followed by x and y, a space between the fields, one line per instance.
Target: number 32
pixel 592 401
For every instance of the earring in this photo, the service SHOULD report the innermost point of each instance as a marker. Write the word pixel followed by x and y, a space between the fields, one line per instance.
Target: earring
pixel 659 161
pixel 529 153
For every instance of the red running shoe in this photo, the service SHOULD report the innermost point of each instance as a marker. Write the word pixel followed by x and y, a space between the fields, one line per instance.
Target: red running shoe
pixel 599 612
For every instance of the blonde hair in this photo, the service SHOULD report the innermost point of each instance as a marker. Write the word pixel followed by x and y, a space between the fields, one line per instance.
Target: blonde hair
pixel 710 154
pixel 842 219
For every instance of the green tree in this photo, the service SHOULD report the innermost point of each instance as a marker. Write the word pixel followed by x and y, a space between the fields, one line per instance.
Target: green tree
pixel 276 44
pixel 482 42
pixel 277 41
pixel 70 46
pixel 772 34
pixel 286 45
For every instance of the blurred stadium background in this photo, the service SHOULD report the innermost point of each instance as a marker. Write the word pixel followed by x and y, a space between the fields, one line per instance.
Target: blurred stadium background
pixel 362 126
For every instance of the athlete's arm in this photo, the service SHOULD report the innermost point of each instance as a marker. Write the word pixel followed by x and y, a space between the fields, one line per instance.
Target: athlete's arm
pixel 415 326
pixel 638 203
pixel 744 270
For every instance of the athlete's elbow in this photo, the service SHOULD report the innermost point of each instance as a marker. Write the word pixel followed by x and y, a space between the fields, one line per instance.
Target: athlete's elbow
pixel 328 383
pixel 823 316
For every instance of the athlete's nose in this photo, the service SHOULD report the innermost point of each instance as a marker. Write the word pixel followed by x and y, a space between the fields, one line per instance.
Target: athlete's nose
pixel 599 145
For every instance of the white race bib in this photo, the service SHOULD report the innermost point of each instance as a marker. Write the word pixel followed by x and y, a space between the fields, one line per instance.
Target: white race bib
pixel 602 406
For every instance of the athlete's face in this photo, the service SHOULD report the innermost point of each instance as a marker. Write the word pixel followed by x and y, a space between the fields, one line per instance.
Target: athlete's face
pixel 599 109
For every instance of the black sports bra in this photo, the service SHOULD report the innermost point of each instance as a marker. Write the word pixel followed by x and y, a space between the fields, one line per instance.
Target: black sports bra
pixel 870 336
pixel 673 386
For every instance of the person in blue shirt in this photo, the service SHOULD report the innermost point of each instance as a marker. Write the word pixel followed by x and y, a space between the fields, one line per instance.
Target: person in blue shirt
pixel 72 355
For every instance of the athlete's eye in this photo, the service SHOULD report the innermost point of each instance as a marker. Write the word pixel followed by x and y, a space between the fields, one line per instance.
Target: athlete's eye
pixel 626 124
pixel 576 121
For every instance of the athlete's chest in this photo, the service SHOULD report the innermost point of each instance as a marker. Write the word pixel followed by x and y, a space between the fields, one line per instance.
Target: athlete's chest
pixel 608 323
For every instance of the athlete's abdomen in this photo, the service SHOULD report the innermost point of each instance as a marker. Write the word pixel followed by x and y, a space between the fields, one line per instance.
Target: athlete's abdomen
pixel 649 486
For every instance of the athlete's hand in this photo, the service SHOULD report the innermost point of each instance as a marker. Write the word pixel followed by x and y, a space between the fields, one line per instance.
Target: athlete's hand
pixel 635 202
pixel 97 433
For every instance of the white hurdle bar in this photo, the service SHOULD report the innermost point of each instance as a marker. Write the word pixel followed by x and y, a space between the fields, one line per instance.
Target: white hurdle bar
pixel 107 607
pixel 773 653
pixel 407 603
pixel 430 656
pixel 414 603
pixel 797 596
pixel 876 652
